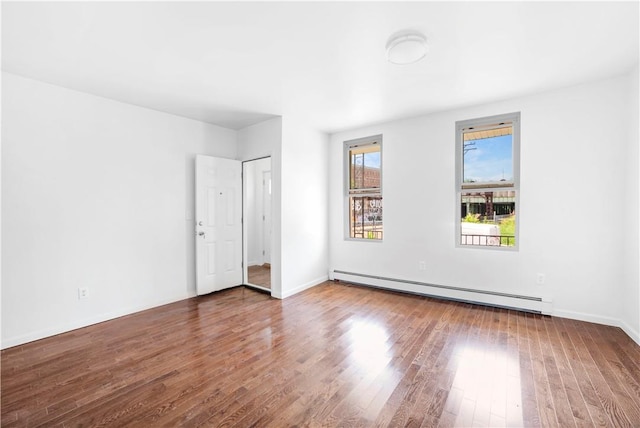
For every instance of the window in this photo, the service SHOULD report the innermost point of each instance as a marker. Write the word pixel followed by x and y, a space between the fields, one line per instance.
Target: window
pixel 364 188
pixel 487 181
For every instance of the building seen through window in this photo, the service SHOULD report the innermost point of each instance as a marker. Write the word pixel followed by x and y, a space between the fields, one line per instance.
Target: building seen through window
pixel 364 188
pixel 487 180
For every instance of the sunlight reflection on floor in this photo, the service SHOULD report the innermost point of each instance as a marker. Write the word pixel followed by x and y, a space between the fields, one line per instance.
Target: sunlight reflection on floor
pixel 487 387
pixel 369 346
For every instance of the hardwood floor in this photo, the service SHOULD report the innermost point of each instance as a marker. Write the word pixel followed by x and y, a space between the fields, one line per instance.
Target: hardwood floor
pixel 334 355
pixel 260 275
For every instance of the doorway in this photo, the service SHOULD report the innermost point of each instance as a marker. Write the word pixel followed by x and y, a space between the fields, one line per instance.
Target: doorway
pixel 257 190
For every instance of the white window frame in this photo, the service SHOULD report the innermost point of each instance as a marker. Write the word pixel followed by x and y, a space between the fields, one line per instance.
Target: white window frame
pixel 488 122
pixel 348 192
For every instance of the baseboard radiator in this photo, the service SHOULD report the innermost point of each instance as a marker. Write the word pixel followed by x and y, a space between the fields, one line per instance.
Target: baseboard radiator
pixel 533 304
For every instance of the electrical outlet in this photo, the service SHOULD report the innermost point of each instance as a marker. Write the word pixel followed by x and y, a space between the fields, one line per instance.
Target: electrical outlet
pixel 540 278
pixel 422 265
pixel 83 293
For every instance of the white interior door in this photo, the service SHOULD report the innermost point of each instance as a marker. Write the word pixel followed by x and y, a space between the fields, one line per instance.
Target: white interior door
pixel 218 224
pixel 266 217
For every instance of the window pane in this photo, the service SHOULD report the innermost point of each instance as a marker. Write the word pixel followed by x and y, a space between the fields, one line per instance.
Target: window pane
pixel 365 214
pixel 364 167
pixel 488 218
pixel 488 157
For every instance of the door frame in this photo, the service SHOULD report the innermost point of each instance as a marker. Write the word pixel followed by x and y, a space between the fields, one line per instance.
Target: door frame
pixel 245 238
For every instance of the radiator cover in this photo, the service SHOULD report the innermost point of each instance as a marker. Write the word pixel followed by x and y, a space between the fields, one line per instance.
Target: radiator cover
pixel 534 304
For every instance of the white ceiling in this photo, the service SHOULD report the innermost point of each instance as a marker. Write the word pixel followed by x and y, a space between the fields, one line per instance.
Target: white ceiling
pixel 238 63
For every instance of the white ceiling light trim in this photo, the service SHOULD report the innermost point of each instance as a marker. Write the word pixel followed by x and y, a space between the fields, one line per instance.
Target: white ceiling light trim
pixel 406 47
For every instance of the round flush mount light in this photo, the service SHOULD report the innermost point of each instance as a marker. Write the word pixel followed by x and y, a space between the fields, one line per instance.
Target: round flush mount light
pixel 406 47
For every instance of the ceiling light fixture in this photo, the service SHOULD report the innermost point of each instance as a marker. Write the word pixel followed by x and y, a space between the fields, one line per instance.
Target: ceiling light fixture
pixel 406 47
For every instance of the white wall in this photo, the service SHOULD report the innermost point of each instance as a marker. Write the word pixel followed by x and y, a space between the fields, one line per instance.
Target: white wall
pixel 572 206
pixel 257 141
pixel 96 194
pixel 305 231
pixel 299 257
pixel 631 274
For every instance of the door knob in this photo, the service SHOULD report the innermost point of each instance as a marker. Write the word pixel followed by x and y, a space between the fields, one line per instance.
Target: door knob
pixel 201 234
pixel 200 223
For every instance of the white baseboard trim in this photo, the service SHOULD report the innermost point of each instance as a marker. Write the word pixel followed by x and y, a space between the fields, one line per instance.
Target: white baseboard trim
pixel 305 286
pixel 85 322
pixel 597 319
pixel 581 316
pixel 633 334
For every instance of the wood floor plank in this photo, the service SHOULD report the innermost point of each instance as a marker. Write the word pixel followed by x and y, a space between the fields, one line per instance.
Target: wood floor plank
pixel 568 383
pixel 415 337
pixel 620 385
pixel 415 374
pixel 530 405
pixel 559 395
pixel 333 355
pixel 574 350
pixel 604 391
pixel 546 406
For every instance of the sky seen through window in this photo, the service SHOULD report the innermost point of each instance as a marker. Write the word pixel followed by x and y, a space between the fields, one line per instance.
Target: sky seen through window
pixel 488 160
